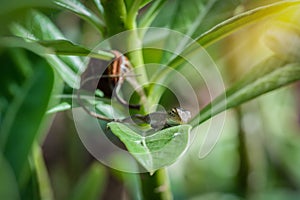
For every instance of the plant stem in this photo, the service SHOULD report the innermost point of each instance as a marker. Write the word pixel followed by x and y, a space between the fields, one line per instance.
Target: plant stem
pixel 243 171
pixel 115 16
pixel 117 21
pixel 156 186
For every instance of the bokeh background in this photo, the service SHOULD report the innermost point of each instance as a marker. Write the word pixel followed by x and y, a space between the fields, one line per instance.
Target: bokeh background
pixel 256 157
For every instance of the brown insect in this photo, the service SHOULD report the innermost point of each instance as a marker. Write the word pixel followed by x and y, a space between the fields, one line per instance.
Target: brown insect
pixel 110 80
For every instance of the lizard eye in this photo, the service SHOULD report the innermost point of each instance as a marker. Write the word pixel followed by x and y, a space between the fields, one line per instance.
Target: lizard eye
pixel 173 112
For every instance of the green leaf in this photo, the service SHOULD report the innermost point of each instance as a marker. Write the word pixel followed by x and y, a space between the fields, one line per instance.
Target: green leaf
pixel 132 11
pixel 24 116
pixel 225 28
pixel 34 28
pixel 15 10
pixel 231 25
pixel 154 151
pixel 60 107
pixel 57 47
pixel 218 32
pixel 8 182
pixel 141 3
pixel 151 13
pixel 265 77
pixel 82 11
pixel 65 47
pixel 192 10
pixel 99 7
pixel 91 184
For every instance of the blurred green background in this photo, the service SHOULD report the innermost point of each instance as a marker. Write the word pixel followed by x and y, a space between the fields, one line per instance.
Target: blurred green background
pixel 257 155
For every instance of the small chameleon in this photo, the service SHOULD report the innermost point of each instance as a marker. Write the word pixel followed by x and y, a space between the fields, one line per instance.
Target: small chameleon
pixel 159 120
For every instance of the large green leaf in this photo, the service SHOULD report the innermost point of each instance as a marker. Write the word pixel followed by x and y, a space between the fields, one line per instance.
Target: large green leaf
pixel 157 150
pixel 24 116
pixel 57 47
pixel 82 11
pixel 91 184
pixel 199 15
pixel 218 32
pixel 33 27
pixel 269 75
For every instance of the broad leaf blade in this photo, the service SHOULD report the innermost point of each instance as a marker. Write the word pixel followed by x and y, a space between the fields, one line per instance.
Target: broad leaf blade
pixel 267 76
pixel 57 47
pixel 34 29
pixel 24 116
pixel 82 11
pixel 155 151
pixel 65 47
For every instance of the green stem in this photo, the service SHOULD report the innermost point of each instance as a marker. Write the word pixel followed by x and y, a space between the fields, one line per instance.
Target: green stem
pixel 156 186
pixel 117 21
pixel 243 171
pixel 132 13
pixel 115 16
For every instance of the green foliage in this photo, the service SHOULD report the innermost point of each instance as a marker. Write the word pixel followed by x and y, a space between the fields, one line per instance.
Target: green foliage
pixel 56 47
pixel 34 29
pixel 83 12
pixel 157 150
pixel 27 81
pixel 25 112
pixel 229 26
pixel 267 76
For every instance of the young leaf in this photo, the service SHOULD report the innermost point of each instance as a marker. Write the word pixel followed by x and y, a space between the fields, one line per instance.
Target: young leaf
pixel 61 107
pixel 265 77
pixel 83 12
pixel 154 151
